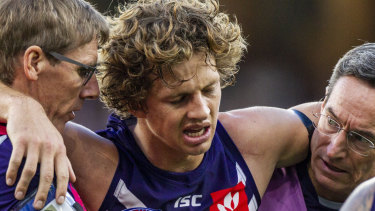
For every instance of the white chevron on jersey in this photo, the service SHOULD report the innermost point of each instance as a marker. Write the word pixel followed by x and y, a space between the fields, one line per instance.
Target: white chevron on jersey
pixel 240 175
pixel 2 138
pixel 253 205
pixel 126 197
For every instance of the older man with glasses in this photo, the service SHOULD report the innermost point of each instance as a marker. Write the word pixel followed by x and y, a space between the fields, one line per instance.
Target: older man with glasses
pixel 342 146
pixel 31 35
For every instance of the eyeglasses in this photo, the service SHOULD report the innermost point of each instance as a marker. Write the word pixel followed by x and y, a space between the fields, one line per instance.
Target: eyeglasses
pixel 85 71
pixel 355 141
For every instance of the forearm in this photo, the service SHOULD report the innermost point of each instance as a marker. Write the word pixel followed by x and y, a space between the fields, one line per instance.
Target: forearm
pixel 35 138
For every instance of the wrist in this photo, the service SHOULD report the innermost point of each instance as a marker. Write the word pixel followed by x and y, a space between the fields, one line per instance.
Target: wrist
pixel 17 103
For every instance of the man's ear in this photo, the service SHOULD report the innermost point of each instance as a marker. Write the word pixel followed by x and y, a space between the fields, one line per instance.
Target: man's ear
pixel 33 62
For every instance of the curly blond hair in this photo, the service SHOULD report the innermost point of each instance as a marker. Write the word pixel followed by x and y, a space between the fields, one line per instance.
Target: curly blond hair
pixel 148 37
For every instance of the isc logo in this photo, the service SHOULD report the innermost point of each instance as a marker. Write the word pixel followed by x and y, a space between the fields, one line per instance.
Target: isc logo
pixel 189 200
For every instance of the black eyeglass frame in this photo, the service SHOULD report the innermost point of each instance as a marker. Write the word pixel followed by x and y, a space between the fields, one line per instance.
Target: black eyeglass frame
pixel 91 69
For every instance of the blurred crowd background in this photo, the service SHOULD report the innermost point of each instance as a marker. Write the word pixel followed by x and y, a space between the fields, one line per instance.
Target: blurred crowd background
pixel 294 46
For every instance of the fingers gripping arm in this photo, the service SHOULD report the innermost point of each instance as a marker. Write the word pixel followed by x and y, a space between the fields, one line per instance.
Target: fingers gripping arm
pixel 34 137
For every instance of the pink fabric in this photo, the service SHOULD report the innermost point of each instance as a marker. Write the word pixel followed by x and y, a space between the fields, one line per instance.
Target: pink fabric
pixel 76 196
pixel 284 192
pixel 3 130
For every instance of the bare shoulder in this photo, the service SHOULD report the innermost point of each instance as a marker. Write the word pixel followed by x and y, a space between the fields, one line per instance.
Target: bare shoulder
pixel 362 198
pixel 267 137
pixel 76 135
pixel 261 127
pixel 94 160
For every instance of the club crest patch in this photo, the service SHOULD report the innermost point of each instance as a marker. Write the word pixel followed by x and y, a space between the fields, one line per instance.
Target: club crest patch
pixel 230 199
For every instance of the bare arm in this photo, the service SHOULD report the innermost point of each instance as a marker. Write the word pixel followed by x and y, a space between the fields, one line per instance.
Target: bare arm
pixel 94 160
pixel 267 138
pixel 361 199
pixel 33 136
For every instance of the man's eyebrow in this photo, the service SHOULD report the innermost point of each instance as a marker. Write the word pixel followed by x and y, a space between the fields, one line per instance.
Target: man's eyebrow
pixel 331 112
pixel 213 83
pixel 368 135
pixel 92 64
pixel 89 66
pixel 184 92
pixel 364 133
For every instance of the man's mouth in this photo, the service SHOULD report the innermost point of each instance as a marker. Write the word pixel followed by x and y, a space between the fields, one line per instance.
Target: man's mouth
pixel 195 133
pixel 333 168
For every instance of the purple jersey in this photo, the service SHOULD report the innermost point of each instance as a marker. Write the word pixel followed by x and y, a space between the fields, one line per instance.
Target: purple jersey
pixel 7 200
pixel 291 189
pixel 221 182
pixel 284 192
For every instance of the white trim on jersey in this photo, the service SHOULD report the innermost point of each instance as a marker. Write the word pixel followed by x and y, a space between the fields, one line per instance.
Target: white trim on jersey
pixel 126 197
pixel 2 138
pixel 240 175
pixel 253 205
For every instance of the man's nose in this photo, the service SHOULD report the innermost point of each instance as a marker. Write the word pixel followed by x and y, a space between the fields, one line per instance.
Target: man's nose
pixel 91 89
pixel 199 108
pixel 337 148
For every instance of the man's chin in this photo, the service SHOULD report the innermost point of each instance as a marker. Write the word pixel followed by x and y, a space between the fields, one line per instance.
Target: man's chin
pixel 332 190
pixel 201 149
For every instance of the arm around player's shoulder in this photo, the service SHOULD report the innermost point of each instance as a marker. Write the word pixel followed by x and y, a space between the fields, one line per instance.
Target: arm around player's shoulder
pixel 94 160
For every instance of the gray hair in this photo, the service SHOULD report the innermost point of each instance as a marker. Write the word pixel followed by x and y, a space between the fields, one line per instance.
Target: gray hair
pixel 358 62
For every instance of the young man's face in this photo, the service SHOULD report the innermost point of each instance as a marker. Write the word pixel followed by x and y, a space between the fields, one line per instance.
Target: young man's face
pixel 181 121
pixel 60 89
pixel 335 168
